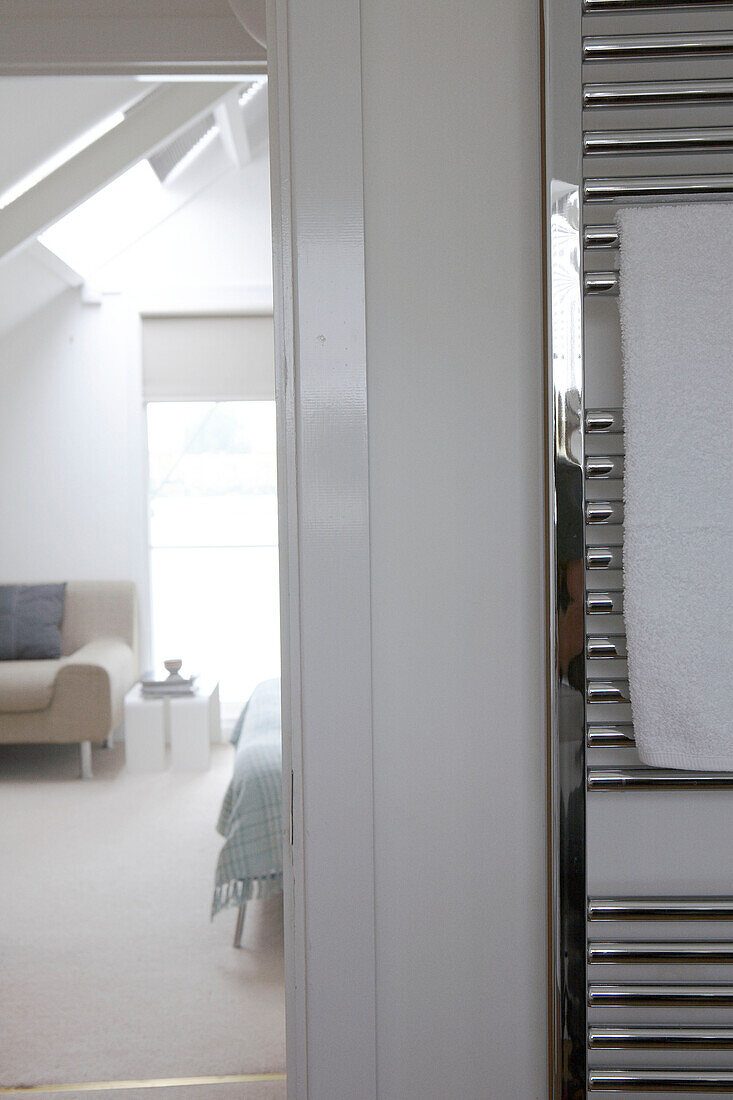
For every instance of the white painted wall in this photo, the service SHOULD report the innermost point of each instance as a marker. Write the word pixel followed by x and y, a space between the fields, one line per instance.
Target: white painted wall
pixel 72 455
pixel 73 481
pixel 25 287
pixel 454 367
pixel 220 239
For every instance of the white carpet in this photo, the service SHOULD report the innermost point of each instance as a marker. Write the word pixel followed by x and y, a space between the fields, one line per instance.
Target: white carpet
pixel 110 968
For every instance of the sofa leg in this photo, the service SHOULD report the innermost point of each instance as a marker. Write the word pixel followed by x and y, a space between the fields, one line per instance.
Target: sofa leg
pixel 85 759
pixel 239 928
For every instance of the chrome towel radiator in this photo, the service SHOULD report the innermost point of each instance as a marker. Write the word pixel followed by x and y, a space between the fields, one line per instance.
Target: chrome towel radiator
pixel 638 108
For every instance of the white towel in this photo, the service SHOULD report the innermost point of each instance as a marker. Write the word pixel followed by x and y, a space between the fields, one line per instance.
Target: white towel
pixel 676 306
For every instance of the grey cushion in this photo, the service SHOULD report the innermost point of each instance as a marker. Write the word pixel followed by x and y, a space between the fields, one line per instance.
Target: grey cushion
pixel 30 621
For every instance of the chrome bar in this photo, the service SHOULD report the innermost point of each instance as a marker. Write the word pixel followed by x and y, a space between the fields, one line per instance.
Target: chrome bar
pixel 605 647
pixel 636 189
pixel 656 93
pixel 610 602
pixel 605 467
pixel 678 951
pixel 604 421
pixel 661 995
pixel 600 236
pixel 604 511
pixel 660 1038
pixel 604 557
pixel 607 691
pixel 565 648
pixel 621 143
pixel 661 1080
pixel 600 282
pixel 657 779
pixel 661 908
pixel 602 7
pixel 610 735
pixel 630 47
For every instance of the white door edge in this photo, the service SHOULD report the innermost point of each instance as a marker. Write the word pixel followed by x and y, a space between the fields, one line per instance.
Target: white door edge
pixel 318 224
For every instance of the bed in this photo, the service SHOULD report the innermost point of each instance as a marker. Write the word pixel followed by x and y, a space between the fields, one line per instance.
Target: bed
pixel 250 863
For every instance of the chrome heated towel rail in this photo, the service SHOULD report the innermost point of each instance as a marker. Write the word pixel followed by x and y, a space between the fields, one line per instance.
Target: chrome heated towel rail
pixel 638 109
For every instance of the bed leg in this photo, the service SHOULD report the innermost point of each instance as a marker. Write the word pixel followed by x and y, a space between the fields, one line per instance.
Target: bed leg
pixel 85 759
pixel 239 927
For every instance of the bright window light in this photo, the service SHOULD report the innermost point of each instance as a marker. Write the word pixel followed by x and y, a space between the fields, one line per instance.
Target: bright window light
pixel 61 157
pixel 192 154
pixel 111 220
pixel 252 90
pixel 213 541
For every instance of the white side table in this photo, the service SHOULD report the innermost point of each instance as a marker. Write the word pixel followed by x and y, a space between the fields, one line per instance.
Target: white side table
pixel 189 722
pixel 145 723
pixel 195 722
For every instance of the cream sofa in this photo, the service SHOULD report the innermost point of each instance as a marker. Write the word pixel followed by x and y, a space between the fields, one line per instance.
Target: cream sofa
pixel 79 697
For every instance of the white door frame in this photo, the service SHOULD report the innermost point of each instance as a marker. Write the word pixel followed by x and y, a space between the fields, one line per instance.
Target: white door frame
pixel 320 330
pixel 318 226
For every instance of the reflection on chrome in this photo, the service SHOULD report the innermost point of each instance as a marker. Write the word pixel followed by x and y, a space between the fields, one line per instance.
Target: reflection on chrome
pixel 567 689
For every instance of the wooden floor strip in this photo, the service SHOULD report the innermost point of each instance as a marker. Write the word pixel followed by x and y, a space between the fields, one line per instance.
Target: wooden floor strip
pixel 148 1083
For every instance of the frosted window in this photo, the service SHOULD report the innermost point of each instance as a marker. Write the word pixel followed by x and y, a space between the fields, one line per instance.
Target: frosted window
pixel 213 540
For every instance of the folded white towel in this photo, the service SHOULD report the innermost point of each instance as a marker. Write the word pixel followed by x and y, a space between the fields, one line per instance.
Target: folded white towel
pixel 676 306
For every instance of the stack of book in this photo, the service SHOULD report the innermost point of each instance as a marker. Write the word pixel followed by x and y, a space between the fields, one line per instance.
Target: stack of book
pixel 161 686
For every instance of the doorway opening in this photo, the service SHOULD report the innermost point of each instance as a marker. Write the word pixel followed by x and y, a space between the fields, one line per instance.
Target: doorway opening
pixel 137 444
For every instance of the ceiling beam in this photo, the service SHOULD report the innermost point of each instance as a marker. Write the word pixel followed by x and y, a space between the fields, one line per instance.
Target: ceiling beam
pixel 159 117
pixel 53 263
pixel 233 130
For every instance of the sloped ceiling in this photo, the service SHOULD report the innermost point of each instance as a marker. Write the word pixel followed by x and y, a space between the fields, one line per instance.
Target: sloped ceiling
pixel 39 116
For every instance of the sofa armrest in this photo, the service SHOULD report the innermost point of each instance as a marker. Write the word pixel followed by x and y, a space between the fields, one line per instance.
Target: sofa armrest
pixel 100 673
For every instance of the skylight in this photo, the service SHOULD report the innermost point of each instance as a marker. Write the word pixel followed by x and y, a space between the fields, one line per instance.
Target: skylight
pixel 191 154
pixel 252 90
pixel 107 222
pixel 123 211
